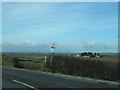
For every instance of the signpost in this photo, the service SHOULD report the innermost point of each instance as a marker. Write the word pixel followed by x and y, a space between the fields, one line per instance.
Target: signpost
pixel 52 53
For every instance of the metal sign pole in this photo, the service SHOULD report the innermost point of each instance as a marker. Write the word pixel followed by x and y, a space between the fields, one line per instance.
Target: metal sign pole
pixel 52 53
pixel 51 60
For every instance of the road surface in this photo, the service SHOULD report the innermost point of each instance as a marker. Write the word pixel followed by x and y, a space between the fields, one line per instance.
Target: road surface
pixel 34 80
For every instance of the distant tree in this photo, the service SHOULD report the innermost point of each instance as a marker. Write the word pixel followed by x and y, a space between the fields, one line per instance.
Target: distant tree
pixel 82 54
pixel 90 54
pixel 98 54
pixel 85 53
pixel 95 54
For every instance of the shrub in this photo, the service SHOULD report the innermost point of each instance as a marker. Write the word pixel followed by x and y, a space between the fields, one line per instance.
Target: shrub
pixel 16 63
pixel 94 68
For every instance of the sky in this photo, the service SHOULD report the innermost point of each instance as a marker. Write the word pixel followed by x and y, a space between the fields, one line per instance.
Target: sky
pixel 72 26
pixel 60 0
pixel 0 26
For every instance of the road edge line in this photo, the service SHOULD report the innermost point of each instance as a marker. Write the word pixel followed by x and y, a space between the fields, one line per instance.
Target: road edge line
pixel 16 81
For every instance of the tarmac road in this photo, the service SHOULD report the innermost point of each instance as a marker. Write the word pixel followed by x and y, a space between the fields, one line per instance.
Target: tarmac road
pixel 20 78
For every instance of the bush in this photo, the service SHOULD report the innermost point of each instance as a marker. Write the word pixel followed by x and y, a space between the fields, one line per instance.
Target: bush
pixel 16 63
pixel 7 61
pixel 10 61
pixel 100 69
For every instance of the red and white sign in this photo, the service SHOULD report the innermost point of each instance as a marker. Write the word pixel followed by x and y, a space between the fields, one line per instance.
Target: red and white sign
pixel 53 46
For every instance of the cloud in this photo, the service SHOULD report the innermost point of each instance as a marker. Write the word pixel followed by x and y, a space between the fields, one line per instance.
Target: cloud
pixel 33 46
pixel 83 46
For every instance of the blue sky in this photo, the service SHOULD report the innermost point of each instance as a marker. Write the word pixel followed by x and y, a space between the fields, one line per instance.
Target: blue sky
pixel 73 27
pixel 0 26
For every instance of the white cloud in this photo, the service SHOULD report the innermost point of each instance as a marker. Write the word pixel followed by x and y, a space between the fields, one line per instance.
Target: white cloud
pixel 87 46
pixel 82 46
pixel 31 43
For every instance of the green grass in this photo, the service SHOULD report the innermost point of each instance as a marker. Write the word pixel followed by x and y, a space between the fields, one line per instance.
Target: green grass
pixel 7 61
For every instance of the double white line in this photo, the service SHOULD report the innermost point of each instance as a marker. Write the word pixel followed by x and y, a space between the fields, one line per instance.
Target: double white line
pixel 29 86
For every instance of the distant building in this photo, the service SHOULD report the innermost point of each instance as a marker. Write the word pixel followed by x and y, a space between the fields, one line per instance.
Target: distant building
pixel 77 55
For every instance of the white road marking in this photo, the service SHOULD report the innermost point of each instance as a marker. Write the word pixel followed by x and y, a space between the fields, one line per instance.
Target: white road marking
pixel 25 84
